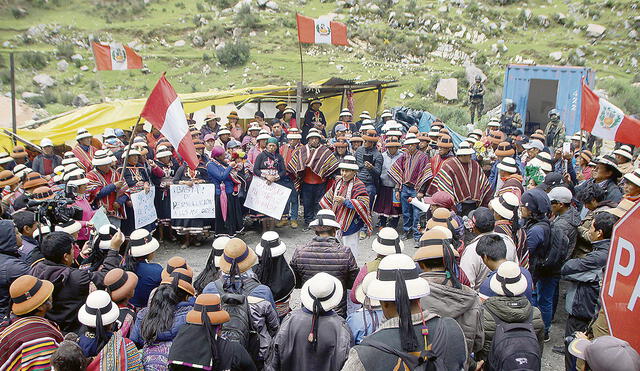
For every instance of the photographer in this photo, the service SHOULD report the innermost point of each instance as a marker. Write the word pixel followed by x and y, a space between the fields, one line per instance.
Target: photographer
pixel 11 267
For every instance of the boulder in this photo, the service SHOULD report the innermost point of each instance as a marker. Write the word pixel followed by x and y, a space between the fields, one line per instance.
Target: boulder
pixel 448 88
pixel 580 53
pixel 262 3
pixel 179 43
pixel 556 56
pixel 543 21
pixel 43 80
pixel 528 14
pixel 633 34
pixel 29 95
pixel 76 57
pixel 595 30
pixel 80 100
pixel 84 68
pixel 197 41
pixel 272 5
pixel 62 65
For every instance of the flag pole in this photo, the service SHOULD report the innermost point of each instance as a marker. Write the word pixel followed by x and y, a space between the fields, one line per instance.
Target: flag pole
pixel 300 84
pixel 126 155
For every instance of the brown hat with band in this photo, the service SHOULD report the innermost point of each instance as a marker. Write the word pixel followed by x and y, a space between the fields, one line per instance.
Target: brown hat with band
pixel 120 284
pixel 341 144
pixel 237 253
pixel 392 144
pixel 413 129
pixel 539 136
pixel 28 293
pixel 356 138
pixel 34 180
pixel 442 217
pixel 42 193
pixel 445 141
pixel 496 136
pixel 371 136
pixel 207 306
pixel 586 155
pixel 431 245
pixel 175 263
pixel 198 144
pixel 181 278
pixel 19 152
pixel 505 149
pixel 233 115
pixel 7 178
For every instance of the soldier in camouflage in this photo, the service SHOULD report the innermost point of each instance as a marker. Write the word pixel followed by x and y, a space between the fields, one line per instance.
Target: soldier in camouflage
pixel 510 121
pixel 554 132
pixel 476 98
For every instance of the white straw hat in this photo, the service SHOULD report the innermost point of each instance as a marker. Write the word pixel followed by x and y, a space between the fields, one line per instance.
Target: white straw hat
pixel 624 151
pixel 76 178
pixel 45 142
pixel 365 115
pixel 105 234
pixel 271 240
pixel 361 290
pixel 98 304
pixel 387 242
pixel 395 133
pixel 265 137
pixel 132 152
pixel 163 151
pixel 464 150
pixel 70 160
pixel 323 286
pixel 218 249
pixel 311 134
pixel 634 177
pixel 383 288
pixel 346 112
pixel 543 161
pixel 83 133
pixel 411 139
pixel 508 164
pixel 101 157
pixel 5 158
pixel 21 170
pixel 142 243
pixel 508 280
pixel 494 122
pixel 349 163
pixel 223 132
pixel 386 114
pixel 505 205
pixel 325 218
pixel 366 127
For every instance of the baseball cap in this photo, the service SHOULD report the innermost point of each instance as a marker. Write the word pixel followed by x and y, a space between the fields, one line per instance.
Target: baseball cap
pixel 552 180
pixel 560 194
pixel 483 218
pixel 534 143
pixel 606 353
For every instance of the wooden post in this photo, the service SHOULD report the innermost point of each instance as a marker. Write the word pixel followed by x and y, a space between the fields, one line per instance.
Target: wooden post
pixel 375 114
pixel 126 155
pixel 14 121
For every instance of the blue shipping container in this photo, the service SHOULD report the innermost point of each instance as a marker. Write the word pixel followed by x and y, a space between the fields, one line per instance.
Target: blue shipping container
pixel 538 89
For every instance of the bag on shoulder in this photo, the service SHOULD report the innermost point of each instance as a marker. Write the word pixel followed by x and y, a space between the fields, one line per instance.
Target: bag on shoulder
pixel 550 259
pixel 515 347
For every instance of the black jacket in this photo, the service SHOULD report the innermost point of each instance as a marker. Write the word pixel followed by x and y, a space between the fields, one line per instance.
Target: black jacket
pixel 11 267
pixel 71 288
pixel 569 222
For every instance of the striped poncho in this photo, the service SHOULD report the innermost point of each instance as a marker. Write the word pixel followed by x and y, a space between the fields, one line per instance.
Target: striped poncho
pixel 462 181
pixel 414 170
pixel 356 194
pixel 320 160
pixel 28 343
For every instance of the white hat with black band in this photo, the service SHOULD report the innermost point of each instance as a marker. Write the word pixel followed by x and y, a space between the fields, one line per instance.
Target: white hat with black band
pixel 83 133
pixel 349 163
pixel 508 164
pixel 506 205
pixel 325 218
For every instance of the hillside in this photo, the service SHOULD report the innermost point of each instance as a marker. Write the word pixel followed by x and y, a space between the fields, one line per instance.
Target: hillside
pixel 414 42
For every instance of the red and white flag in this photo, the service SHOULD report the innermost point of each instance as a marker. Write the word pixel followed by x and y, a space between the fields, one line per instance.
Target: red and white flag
pixel 115 56
pixel 604 120
pixel 321 31
pixel 164 111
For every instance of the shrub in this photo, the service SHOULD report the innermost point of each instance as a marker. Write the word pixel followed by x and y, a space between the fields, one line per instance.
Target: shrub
pixel 622 94
pixel 37 100
pixel 221 4
pixel 3 62
pixel 245 18
pixel 234 54
pixel 35 60
pixel 212 31
pixel 422 89
pixel 65 50
pixel 201 8
pixel 18 13
pixel 66 98
pixel 49 96
pixel 206 57
pixel 5 76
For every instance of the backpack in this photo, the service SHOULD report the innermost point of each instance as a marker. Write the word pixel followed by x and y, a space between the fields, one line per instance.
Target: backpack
pixel 515 346
pixel 240 328
pixel 553 256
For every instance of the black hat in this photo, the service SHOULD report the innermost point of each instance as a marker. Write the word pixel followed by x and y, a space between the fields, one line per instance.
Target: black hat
pixel 551 181
pixel 483 219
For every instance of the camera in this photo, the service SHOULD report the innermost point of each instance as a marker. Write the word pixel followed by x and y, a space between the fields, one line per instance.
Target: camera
pixel 56 210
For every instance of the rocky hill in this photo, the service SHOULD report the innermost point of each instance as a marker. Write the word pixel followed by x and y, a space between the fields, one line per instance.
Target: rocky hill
pixel 415 42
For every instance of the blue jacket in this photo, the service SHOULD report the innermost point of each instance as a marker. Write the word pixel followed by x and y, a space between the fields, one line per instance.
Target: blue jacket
pixel 218 174
pixel 179 319
pixel 493 176
pixel 149 277
pixel 358 328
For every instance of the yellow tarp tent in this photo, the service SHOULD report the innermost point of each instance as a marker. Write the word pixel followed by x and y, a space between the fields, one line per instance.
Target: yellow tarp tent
pixel 124 113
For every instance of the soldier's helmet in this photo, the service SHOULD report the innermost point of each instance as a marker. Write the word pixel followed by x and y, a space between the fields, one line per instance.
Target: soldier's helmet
pixel 478 78
pixel 511 105
pixel 554 112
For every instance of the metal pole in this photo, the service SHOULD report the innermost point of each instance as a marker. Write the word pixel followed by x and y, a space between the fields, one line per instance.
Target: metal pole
pixel 299 90
pixel 14 121
pixel 126 155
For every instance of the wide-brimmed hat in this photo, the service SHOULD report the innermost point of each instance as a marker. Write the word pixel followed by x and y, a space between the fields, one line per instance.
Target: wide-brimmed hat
pixel 341 143
pixel 435 133
pixel 237 253
pixel 442 217
pixel 72 160
pixel 289 110
pixel 476 133
pixel 411 138
pixel 28 293
pixel 383 288
pixel 174 263
pixel 508 164
pixel 345 112
pixel 538 136
pixel 180 278
pixel 7 178
pixel 224 132
pixel 233 115
pixel 508 280
pixel 324 288
pixel 42 193
pixel 578 137
pixel 356 138
pixel 633 177
pixel 83 133
pixel 349 163
pixel 33 180
pixel 392 144
pixel 624 151
pixel 280 103
pixel 98 304
pixel 361 290
pixel 271 240
pixel 105 234
pixel 310 134
pixel 163 151
pixel 610 162
pixel 505 149
pixel 5 158
pixel 365 115
pixel 394 133
pixel 76 178
pixel 586 155
pixel 386 113
pixel 21 170
pixel 142 243
pixel 366 127
pixel 19 152
pixel 207 306
pixel 534 143
pixel 431 245
pixel 506 205
pixel 325 218
pixel 291 135
pixel 387 242
pixel 465 150
pixel 543 161
pixel 494 122
pixel 58 173
pixel 623 206
pixel 606 353
pixel 371 136
pixel 445 141
pixel 120 283
pixel 218 246
pixel 496 136
pixel 41 230
pixel 132 152
pixel 315 101
pixel 198 144
pixel 108 133
pixel 70 226
pixel 211 116
pixel 101 157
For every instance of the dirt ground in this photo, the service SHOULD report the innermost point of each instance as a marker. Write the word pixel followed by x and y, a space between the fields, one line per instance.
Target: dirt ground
pixel 197 258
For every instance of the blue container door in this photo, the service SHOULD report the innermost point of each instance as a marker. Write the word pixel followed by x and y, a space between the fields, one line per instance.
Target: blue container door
pixel 516 88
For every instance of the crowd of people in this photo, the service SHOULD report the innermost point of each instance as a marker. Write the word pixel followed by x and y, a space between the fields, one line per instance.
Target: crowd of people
pixel 468 281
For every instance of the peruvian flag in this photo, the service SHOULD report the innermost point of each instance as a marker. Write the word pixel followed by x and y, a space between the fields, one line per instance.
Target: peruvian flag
pixel 164 111
pixel 604 120
pixel 321 31
pixel 115 56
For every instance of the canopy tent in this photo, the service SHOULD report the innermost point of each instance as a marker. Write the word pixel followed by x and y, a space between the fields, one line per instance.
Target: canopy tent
pixel 124 113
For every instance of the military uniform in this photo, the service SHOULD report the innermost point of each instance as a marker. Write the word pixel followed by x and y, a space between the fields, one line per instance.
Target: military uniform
pixel 510 121
pixel 554 133
pixel 476 100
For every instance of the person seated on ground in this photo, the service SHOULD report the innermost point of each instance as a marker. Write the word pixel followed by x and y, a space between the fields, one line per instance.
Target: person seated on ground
pixel 448 297
pixel 605 353
pixel 120 285
pixel 470 262
pixel 11 266
pixel 199 345
pixel 141 251
pixel 408 329
pixel 108 349
pixel 158 324
pixel 367 319
pixel 69 355
pixel 508 306
pixel 27 339
pixel 313 337
pixel 274 271
pixel 325 253
pixel 238 278
pixel 211 271
pixel 72 284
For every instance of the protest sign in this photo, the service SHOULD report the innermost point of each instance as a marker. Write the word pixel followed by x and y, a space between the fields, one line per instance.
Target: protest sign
pixel 144 208
pixel 197 202
pixel 268 199
pixel 99 219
